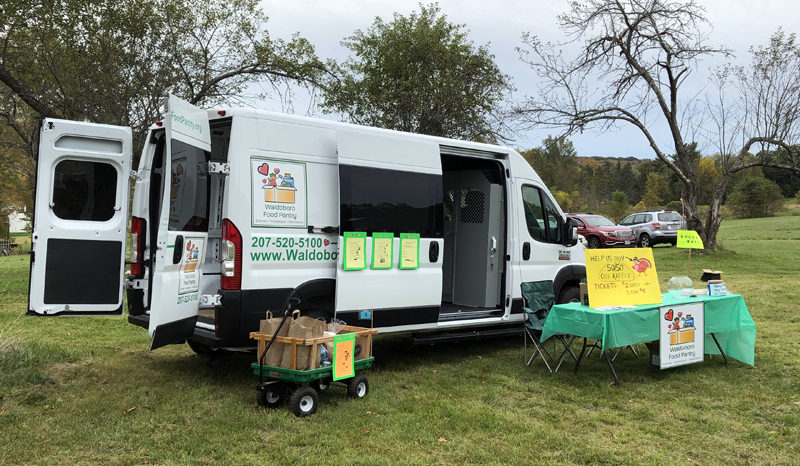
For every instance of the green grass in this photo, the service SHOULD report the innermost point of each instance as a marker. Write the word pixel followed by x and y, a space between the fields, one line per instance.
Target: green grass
pixel 87 390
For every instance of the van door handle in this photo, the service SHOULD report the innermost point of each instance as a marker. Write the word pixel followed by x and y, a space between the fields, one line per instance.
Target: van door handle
pixel 526 251
pixel 433 252
pixel 178 251
pixel 328 229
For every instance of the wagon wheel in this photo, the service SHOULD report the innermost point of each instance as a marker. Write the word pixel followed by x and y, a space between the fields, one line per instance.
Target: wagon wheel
pixel 304 401
pixel 357 387
pixel 269 395
pixel 321 384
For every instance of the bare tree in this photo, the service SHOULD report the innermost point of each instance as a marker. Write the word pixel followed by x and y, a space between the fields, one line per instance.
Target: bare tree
pixel 634 60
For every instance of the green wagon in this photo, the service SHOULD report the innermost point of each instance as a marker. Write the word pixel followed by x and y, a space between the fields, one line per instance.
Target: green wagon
pixel 301 387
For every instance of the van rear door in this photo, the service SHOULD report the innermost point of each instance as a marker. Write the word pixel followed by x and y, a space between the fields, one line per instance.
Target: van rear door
pixel 80 219
pixel 389 184
pixel 182 239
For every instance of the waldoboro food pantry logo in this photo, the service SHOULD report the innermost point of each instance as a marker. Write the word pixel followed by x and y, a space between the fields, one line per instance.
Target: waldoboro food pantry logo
pixel 682 335
pixel 279 195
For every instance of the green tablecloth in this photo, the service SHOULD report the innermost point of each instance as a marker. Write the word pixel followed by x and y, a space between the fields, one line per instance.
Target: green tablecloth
pixel 725 316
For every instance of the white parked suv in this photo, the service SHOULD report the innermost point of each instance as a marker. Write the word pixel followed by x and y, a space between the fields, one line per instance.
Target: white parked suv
pixel 655 227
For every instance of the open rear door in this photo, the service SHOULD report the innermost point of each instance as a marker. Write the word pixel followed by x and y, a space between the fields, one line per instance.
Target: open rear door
pixel 389 185
pixel 182 239
pixel 80 219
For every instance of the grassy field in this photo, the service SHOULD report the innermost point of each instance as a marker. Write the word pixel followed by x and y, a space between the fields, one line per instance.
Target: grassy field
pixel 87 390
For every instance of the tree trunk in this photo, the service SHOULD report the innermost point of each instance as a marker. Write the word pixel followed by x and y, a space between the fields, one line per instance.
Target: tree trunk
pixel 714 216
pixel 693 220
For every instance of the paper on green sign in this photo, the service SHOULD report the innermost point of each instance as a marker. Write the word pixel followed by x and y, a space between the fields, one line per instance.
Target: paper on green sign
pixel 689 239
pixel 343 355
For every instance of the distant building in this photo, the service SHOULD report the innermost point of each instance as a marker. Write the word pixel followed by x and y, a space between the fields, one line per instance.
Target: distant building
pixel 17 222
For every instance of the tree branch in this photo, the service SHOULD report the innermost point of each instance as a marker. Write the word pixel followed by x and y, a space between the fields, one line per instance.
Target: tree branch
pixel 26 95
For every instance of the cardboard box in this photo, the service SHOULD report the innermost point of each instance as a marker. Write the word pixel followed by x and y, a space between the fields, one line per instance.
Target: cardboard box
pixel 684 335
pixel 282 194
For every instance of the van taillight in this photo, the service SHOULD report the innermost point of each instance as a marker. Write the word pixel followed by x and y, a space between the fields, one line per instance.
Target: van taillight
pixel 137 246
pixel 656 225
pixel 231 256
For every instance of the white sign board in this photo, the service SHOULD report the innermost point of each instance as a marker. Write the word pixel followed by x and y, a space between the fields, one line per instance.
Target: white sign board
pixel 682 336
pixel 188 123
pixel 191 256
pixel 279 193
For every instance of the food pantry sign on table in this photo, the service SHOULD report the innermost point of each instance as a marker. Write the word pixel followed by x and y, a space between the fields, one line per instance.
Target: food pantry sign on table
pixel 616 278
pixel 682 335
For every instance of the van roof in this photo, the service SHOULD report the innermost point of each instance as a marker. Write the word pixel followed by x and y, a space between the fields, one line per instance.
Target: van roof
pixel 321 122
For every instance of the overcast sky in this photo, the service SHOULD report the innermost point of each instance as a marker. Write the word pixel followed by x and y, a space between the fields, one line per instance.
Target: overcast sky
pixel 737 24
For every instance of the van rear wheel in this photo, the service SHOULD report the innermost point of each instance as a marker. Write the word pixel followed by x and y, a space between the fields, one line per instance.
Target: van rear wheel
pixel 203 350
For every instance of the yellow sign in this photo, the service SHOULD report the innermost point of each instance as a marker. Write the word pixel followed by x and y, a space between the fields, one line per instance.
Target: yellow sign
pixel 409 250
pixel 622 277
pixel 343 355
pixel 355 250
pixel 382 245
pixel 689 239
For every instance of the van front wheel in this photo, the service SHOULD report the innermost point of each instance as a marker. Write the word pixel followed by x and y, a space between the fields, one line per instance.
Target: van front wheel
pixel 569 294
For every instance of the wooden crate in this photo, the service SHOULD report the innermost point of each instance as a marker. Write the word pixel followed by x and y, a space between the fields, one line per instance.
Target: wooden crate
pixel 363 335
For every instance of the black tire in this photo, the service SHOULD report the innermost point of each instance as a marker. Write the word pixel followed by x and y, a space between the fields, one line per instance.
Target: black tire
pixel 357 387
pixel 644 241
pixel 304 401
pixel 594 242
pixel 321 384
pixel 569 294
pixel 317 313
pixel 270 395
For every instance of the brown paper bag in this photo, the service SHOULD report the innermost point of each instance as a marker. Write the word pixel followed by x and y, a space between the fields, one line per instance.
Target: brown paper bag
pixel 268 327
pixel 305 328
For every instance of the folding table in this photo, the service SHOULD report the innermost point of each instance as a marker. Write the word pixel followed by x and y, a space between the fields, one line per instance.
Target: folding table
pixel 729 328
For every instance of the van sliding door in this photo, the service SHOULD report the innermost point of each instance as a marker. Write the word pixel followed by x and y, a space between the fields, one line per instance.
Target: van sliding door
pixel 390 228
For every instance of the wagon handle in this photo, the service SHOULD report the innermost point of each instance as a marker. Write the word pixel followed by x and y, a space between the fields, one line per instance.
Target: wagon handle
pixel 291 302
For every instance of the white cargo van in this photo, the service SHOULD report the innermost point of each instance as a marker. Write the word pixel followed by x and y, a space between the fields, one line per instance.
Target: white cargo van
pixel 236 211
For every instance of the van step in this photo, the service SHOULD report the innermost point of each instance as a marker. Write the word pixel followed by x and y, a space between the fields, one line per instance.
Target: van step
pixel 466 315
pixel 432 338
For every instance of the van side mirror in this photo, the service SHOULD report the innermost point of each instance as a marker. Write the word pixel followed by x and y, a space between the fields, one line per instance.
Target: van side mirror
pixel 570 233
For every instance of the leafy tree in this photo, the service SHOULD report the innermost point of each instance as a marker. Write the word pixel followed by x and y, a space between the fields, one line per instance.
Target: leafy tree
pixel 420 73
pixel 655 189
pixel 113 62
pixel 555 162
pixel 569 202
pixel 755 197
pixel 708 175
pixel 635 57
pixel 618 206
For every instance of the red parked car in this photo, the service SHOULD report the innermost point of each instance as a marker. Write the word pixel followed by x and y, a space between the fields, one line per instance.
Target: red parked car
pixel 601 232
